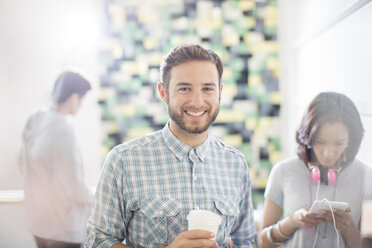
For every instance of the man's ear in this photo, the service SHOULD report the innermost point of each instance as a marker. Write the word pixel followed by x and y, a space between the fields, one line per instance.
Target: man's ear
pixel 75 98
pixel 72 98
pixel 162 92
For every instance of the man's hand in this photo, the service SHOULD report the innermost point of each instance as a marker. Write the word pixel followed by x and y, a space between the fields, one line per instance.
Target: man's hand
pixel 194 238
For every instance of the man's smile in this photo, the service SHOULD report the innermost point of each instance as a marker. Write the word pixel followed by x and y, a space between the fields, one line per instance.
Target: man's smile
pixel 195 114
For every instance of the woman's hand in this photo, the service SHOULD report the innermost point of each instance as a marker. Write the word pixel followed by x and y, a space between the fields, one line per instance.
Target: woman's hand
pixel 344 223
pixel 343 218
pixel 303 219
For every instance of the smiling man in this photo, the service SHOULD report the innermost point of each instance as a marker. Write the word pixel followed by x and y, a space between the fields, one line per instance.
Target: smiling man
pixel 149 185
pixel 193 99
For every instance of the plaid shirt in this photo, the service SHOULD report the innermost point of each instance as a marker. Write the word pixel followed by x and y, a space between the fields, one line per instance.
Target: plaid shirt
pixel 149 185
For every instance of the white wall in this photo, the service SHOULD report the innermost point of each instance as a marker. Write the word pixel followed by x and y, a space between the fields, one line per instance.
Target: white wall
pixel 38 39
pixel 326 46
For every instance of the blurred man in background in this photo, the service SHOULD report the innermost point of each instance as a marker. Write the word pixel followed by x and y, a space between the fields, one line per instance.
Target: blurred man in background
pixel 57 196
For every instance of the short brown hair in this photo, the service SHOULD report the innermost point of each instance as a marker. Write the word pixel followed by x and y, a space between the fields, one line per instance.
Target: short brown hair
pixel 68 83
pixel 329 107
pixel 185 53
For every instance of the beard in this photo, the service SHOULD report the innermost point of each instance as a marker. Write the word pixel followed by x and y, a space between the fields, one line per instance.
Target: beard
pixel 201 128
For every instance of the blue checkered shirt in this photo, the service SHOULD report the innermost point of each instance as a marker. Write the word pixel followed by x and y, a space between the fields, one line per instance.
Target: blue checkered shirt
pixel 149 185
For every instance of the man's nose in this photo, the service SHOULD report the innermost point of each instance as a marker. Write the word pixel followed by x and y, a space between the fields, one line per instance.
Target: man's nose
pixel 196 99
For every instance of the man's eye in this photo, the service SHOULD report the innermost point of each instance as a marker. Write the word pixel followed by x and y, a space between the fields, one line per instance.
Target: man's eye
pixel 208 89
pixel 183 89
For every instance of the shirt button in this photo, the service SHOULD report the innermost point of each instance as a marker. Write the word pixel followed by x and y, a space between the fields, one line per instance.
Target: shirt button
pixel 161 212
pixel 195 178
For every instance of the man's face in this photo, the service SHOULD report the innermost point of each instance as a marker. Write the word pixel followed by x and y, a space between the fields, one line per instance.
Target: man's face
pixel 193 96
pixel 75 102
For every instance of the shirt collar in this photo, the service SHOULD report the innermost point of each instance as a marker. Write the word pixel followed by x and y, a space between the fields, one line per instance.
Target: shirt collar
pixel 180 149
pixel 202 150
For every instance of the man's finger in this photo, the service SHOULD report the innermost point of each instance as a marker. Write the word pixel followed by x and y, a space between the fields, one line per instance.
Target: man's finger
pixel 202 243
pixel 198 234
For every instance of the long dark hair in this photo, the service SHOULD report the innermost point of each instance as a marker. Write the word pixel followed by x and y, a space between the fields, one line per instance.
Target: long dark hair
pixel 329 107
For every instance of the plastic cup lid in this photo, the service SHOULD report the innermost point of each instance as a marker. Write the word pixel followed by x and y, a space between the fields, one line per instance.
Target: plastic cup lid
pixel 204 216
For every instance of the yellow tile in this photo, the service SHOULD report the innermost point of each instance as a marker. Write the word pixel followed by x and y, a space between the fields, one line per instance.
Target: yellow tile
pixel 229 90
pixel 246 5
pixel 254 80
pixel 275 157
pixel 272 63
pixel 128 110
pixel 276 98
pixel 235 140
pixel 150 43
pixel 138 132
pixel 227 115
pixel 251 123
pixel 249 22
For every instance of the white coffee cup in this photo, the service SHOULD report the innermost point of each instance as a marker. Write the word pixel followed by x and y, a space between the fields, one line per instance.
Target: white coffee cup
pixel 204 220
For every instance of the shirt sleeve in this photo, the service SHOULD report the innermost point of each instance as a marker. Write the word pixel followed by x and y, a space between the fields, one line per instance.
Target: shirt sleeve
pixel 244 232
pixel 107 225
pixel 274 189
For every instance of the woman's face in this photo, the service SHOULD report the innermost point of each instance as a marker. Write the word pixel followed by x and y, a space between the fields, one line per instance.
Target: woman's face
pixel 332 140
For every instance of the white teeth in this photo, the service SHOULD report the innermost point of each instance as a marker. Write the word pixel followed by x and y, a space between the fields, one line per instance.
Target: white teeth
pixel 195 113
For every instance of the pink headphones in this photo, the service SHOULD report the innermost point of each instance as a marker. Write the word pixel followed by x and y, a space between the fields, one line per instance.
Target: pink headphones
pixel 315 174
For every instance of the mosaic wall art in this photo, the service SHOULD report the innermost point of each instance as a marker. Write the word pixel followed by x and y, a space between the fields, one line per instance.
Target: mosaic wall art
pixel 137 34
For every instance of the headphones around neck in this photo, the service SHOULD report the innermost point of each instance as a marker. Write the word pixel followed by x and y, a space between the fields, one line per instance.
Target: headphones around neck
pixel 319 175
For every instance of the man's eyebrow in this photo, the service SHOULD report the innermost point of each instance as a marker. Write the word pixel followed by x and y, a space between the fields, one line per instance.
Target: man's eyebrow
pixel 189 84
pixel 183 84
pixel 210 84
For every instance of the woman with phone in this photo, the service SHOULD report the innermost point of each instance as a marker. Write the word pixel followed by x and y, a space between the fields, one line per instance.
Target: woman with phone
pixel 328 140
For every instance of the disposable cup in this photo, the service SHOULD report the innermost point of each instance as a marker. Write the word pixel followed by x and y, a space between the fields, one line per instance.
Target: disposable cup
pixel 204 220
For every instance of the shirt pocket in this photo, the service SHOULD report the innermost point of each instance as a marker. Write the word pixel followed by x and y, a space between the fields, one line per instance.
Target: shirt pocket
pixel 163 219
pixel 229 211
